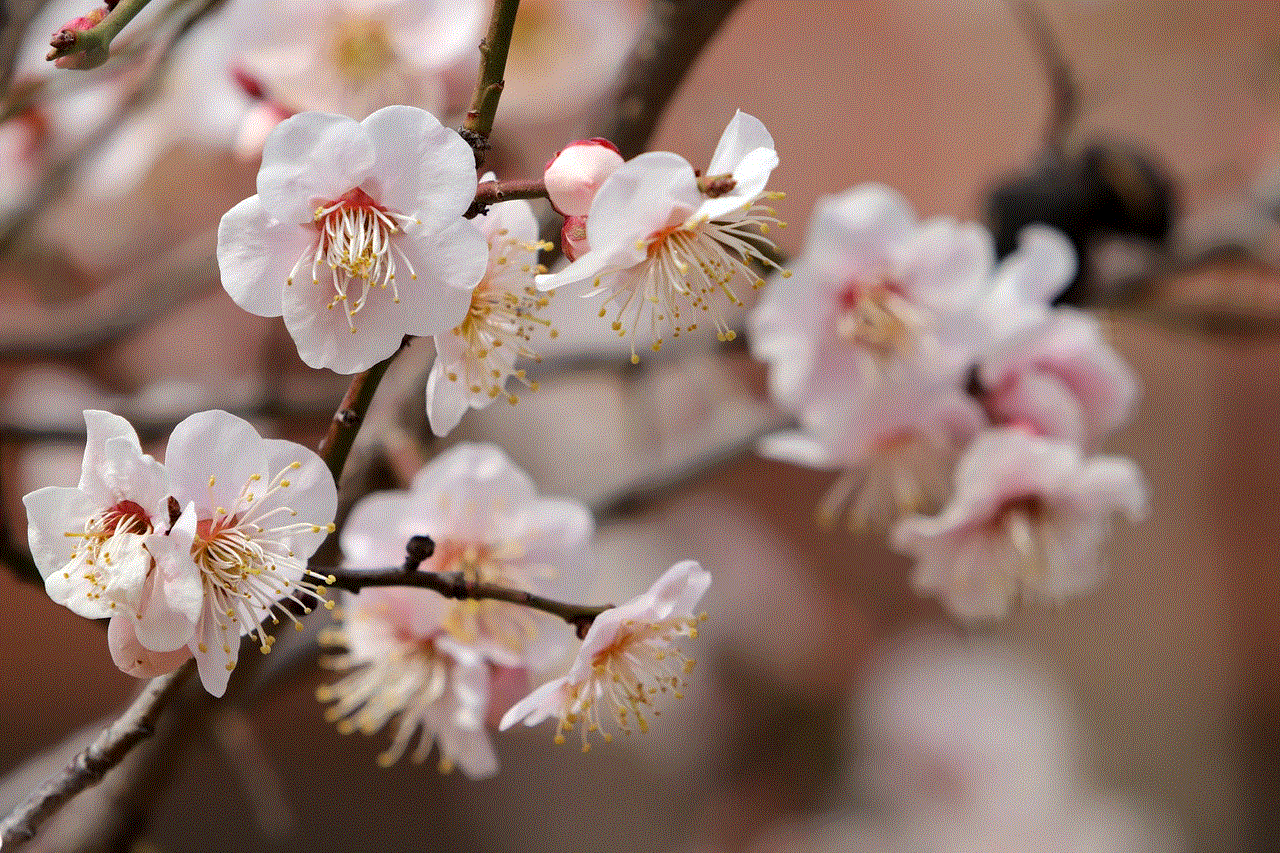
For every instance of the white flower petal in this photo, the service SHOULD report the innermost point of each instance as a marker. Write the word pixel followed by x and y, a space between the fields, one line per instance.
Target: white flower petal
pixel 257 255
pixel 311 159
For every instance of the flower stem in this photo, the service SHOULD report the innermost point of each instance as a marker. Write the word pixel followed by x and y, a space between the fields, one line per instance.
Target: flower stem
pixel 493 63
pixel 492 192
pixel 97 39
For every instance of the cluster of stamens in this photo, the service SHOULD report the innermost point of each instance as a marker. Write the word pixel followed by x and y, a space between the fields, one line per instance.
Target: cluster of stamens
pixel 408 683
pixel 689 269
pixel 627 675
pixel 248 570
pixel 354 240
pixel 907 474
pixel 1022 527
pixel 115 531
pixel 877 318
pixel 503 315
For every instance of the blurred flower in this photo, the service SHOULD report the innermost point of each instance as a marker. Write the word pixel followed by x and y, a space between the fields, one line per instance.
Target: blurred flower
pixel 353 57
pixel 487 522
pixel 407 667
pixel 1028 515
pixel 663 246
pixel 475 359
pixel 256 510
pixel 874 291
pixel 1059 378
pixel 104 551
pixel 626 659
pixel 564 56
pixel 894 443
pixel 359 203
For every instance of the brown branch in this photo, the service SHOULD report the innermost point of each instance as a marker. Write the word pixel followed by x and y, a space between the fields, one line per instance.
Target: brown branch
pixel 492 192
pixel 457 585
pixel 493 64
pixel 135 725
pixel 673 35
pixel 1064 105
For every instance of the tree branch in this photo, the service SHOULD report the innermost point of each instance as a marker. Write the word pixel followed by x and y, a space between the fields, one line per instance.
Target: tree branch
pixel 493 64
pixel 94 43
pixel 134 726
pixel 673 35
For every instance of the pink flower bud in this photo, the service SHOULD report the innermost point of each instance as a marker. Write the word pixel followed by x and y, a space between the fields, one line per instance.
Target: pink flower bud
pixel 573 237
pixel 65 38
pixel 577 171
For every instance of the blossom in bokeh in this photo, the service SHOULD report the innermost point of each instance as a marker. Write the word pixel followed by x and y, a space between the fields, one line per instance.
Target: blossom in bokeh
pixel 873 291
pixel 487 522
pixel 477 357
pixel 404 666
pixel 255 510
pixel 894 444
pixel 1060 378
pixel 664 247
pixel 353 57
pixel 626 659
pixel 1027 515
pixel 356 234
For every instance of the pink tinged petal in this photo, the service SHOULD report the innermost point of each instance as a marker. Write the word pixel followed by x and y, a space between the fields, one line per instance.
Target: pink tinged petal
pixel 577 172
pixel 744 133
pixel 101 427
pixel 1112 484
pixel 587 267
pixel 476 473
pixel 447 400
pixel 648 193
pixel 214 661
pixel 797 448
pixel 680 588
pixel 217 446
pixel 309 160
pixel 551 699
pixel 53 512
pixel 257 257
pixel 172 597
pixel 1044 263
pixel 449 264
pixel 1041 402
pixel 127 474
pixel 422 169
pixel 322 331
pixel 945 265
pixel 311 492
pixel 133 658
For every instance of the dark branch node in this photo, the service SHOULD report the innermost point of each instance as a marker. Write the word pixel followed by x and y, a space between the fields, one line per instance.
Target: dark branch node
pixel 418 549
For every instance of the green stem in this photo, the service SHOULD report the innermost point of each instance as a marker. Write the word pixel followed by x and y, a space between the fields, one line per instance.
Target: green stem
pixel 493 63
pixel 97 39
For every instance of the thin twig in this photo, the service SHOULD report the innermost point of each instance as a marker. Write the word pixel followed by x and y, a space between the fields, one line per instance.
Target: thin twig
pixel 492 192
pixel 94 44
pixel 493 65
pixel 1064 92
pixel 134 726
pixel 346 422
pixel 458 585
pixel 673 35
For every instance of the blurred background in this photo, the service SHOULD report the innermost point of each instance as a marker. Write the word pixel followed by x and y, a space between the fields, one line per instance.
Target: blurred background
pixel 832 708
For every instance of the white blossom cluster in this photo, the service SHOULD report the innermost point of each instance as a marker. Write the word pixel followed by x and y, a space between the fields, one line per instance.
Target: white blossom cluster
pixel 188 556
pixel 959 405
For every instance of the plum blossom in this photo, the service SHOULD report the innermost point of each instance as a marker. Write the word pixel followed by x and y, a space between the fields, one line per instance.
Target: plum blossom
pixel 664 246
pixel 1060 378
pixel 873 290
pixel 1027 515
pixel 104 551
pixel 405 666
pixel 626 659
pixel 352 57
pixel 488 522
pixel 477 357
pixel 255 510
pixel 356 235
pixel 894 444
